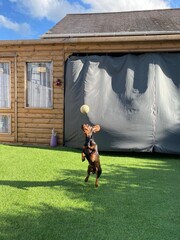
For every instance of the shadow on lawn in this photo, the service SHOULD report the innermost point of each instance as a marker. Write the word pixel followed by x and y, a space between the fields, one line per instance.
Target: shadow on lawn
pixel 132 203
pixel 24 185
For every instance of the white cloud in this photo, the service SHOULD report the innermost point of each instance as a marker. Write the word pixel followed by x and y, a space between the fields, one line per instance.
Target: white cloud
pixel 54 10
pixel 22 28
pixel 126 5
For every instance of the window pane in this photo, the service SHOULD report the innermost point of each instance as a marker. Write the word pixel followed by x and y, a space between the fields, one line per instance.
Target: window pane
pixel 39 85
pixel 5 124
pixel 4 85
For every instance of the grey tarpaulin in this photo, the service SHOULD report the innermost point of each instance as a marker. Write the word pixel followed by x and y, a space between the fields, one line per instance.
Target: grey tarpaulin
pixel 134 97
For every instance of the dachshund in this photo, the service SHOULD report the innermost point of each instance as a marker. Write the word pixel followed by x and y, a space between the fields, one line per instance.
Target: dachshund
pixel 90 152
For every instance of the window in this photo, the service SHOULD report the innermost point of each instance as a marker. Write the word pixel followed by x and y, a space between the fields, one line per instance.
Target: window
pixel 5 123
pixel 39 85
pixel 4 85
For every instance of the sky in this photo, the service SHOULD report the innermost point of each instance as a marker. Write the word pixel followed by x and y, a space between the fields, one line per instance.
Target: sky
pixel 30 19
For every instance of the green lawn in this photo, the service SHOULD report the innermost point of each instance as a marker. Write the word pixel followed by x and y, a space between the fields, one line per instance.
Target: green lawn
pixel 43 196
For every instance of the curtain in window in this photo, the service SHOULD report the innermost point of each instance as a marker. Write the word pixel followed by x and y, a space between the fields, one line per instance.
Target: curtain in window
pixel 4 85
pixel 39 85
pixel 4 123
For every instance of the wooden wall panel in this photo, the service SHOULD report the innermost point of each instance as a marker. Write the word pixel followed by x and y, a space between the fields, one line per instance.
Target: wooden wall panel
pixel 122 47
pixel 34 126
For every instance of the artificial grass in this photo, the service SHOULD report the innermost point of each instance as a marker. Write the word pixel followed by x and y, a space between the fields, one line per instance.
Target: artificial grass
pixel 43 196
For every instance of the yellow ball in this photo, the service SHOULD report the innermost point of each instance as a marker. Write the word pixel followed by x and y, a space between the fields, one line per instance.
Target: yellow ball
pixel 84 109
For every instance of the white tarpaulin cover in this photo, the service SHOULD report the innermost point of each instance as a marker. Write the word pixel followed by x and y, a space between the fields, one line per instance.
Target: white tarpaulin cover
pixel 135 98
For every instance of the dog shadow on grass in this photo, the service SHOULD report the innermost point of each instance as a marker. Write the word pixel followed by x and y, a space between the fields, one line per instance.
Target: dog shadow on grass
pixel 139 201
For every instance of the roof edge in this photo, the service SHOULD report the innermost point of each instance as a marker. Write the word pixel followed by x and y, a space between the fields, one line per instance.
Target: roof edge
pixel 105 39
pixel 108 34
pixel 127 11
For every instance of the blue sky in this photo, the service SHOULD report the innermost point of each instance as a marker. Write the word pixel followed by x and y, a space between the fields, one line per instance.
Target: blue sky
pixel 29 19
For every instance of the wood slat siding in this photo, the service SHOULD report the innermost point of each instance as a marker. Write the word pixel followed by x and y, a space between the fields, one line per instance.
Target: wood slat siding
pixel 123 47
pixel 34 126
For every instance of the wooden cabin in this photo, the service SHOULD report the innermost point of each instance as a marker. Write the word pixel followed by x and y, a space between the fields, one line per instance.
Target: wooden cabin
pixel 32 71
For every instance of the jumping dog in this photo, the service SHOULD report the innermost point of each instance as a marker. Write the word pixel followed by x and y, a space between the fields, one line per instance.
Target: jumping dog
pixel 90 152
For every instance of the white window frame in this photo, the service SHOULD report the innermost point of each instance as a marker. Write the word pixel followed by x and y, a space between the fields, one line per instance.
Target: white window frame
pixel 36 85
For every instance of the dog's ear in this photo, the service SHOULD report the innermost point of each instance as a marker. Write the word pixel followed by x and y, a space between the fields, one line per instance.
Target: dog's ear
pixel 96 128
pixel 84 127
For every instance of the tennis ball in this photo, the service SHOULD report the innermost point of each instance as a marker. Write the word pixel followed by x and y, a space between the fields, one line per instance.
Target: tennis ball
pixel 84 109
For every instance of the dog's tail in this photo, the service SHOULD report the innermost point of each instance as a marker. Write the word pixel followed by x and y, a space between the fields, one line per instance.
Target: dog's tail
pixel 99 172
